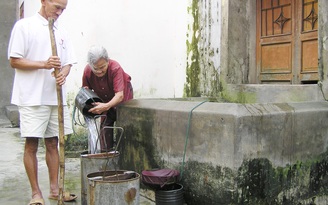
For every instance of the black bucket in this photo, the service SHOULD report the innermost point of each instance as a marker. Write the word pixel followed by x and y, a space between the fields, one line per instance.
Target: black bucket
pixel 84 100
pixel 171 194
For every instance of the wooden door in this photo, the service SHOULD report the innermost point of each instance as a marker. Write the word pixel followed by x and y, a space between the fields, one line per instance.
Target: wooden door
pixel 287 41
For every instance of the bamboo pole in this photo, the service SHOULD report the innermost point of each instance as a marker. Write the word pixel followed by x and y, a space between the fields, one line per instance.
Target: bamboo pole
pixel 60 118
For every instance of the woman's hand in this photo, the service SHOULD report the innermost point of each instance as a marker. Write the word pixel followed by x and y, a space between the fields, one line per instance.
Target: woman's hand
pixel 99 108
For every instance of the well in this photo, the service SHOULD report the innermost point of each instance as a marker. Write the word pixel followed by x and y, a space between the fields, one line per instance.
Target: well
pixel 234 152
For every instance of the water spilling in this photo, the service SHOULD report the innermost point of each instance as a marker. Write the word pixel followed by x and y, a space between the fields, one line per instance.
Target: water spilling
pixel 84 101
pixel 93 125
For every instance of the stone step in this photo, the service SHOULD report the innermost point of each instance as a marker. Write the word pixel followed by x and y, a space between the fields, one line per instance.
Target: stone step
pixel 4 121
pixel 11 112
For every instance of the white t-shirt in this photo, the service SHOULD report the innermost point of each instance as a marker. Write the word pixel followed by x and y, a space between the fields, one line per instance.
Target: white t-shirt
pixel 30 39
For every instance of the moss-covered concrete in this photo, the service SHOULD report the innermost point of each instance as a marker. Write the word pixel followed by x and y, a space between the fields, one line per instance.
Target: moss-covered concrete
pixel 142 153
pixel 212 184
pixel 258 182
pixel 191 88
pixel 247 93
pixel 235 153
pixel 203 50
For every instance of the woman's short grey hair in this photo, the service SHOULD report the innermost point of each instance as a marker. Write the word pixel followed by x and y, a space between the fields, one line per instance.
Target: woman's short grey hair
pixel 96 53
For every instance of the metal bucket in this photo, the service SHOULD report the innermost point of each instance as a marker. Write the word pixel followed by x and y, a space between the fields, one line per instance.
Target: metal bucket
pixel 120 191
pixel 94 163
pixel 84 100
pixel 170 195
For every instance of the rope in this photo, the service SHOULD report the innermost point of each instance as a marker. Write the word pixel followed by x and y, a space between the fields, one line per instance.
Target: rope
pixel 74 122
pixel 323 94
pixel 187 137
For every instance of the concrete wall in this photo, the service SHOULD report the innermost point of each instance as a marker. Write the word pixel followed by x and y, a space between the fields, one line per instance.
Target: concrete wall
pixel 238 42
pixel 268 153
pixel 8 10
pixel 323 44
pixel 204 49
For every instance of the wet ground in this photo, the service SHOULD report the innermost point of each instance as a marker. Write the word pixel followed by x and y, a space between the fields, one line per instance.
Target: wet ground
pixel 14 185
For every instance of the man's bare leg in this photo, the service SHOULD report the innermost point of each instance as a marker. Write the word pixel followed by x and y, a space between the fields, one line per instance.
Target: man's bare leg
pixel 52 159
pixel 31 165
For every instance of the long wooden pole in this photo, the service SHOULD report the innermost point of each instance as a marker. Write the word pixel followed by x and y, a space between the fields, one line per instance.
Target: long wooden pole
pixel 60 118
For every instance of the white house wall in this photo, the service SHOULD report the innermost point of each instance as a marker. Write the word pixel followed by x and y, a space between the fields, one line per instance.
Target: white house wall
pixel 147 37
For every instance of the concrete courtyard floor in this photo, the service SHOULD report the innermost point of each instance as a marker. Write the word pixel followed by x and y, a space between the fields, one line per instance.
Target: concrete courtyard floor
pixel 14 184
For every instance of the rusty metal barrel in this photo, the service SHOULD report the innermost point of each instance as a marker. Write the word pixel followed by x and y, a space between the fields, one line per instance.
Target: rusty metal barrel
pixel 118 187
pixel 91 163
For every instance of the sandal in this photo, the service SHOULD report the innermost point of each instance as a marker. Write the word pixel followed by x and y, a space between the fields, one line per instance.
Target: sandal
pixel 66 195
pixel 36 202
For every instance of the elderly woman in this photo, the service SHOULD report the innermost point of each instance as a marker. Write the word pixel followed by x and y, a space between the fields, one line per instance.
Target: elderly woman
pixel 109 81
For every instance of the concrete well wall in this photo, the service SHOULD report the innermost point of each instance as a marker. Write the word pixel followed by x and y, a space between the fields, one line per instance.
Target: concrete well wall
pixel 260 153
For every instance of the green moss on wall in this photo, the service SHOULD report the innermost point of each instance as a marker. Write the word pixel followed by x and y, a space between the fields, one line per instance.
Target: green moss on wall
pixel 260 183
pixel 210 78
pixel 237 96
pixel 202 77
pixel 138 151
pixel 256 181
pixel 191 88
pixel 207 184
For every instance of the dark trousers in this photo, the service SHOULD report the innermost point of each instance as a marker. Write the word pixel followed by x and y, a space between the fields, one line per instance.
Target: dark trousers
pixel 107 134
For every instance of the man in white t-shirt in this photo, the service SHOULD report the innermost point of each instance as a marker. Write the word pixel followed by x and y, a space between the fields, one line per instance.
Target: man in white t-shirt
pixel 34 90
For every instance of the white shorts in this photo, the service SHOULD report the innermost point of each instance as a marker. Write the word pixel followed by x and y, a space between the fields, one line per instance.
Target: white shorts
pixel 42 121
